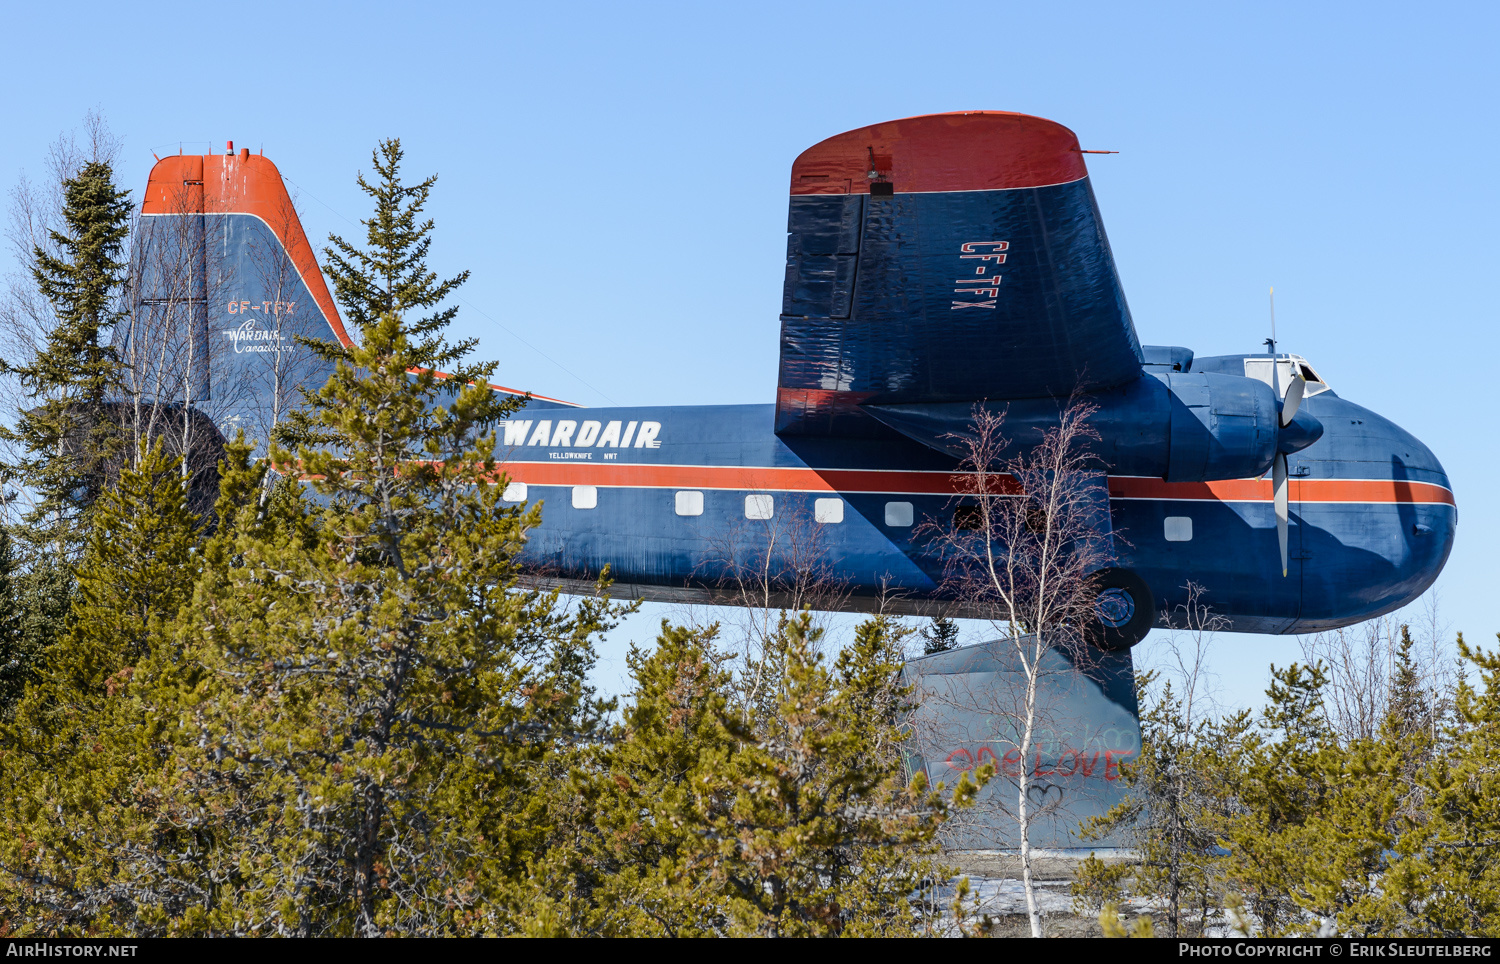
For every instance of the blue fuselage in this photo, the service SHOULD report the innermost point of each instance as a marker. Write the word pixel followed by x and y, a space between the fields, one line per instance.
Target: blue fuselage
pixel 714 496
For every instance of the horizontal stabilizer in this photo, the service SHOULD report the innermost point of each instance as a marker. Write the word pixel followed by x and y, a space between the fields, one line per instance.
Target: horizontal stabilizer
pixel 971 707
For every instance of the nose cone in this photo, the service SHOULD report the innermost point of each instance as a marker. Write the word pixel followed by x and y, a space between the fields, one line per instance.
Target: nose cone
pixel 1377 516
pixel 1303 431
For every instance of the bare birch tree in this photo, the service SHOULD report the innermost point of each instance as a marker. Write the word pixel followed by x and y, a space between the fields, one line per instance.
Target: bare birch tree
pixel 1362 663
pixel 1192 626
pixel 180 380
pixel 1020 552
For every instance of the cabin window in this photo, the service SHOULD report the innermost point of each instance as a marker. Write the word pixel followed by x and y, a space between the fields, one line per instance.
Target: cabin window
pixel 759 506
pixel 585 496
pixel 1178 528
pixel 514 492
pixel 898 514
pixel 828 510
pixel 689 503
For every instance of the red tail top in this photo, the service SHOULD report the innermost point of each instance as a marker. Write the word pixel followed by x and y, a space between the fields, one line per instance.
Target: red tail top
pixel 241 183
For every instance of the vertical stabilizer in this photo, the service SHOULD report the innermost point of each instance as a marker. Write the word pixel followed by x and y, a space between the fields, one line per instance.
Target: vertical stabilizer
pixel 225 293
pixel 225 290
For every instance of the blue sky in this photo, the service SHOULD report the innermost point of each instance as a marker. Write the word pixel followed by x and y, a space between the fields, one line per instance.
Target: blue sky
pixel 615 176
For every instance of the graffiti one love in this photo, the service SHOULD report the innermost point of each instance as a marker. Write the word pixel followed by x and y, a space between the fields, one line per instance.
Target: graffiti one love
pixel 1090 764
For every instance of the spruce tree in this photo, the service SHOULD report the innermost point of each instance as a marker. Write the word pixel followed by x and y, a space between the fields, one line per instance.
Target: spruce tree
pixel 644 877
pixel 390 274
pixel 44 592
pixel 1446 880
pixel 1168 819
pixel 89 841
pixel 809 826
pixel 385 714
pixel 1274 781
pixel 387 701
pixel 939 636
pixel 718 808
pixel 17 658
pixel 66 435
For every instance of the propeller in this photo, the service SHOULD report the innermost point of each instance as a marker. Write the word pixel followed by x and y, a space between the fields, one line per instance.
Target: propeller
pixel 1288 442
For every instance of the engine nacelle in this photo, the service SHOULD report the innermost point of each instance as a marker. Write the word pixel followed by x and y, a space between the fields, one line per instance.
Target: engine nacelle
pixel 1222 427
pixel 1180 426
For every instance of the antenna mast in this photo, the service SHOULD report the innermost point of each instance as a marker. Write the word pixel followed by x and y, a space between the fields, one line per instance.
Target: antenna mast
pixel 1271 342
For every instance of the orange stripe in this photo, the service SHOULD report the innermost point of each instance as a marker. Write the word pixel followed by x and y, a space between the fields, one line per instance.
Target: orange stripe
pixel 1303 490
pixel 945 483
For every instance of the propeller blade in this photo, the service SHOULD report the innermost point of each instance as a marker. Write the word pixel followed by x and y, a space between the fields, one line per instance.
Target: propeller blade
pixel 1293 400
pixel 1278 482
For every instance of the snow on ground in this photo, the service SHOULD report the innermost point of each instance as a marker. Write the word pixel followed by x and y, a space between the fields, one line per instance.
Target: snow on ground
pixel 1005 896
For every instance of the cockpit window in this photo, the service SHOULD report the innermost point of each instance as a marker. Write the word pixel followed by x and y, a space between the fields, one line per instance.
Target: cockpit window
pixel 1279 372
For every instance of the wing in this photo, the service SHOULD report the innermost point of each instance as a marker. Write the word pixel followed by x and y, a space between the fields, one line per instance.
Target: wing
pixel 947 257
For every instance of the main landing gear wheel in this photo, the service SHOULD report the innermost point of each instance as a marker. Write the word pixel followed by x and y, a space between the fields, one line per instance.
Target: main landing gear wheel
pixel 1124 610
